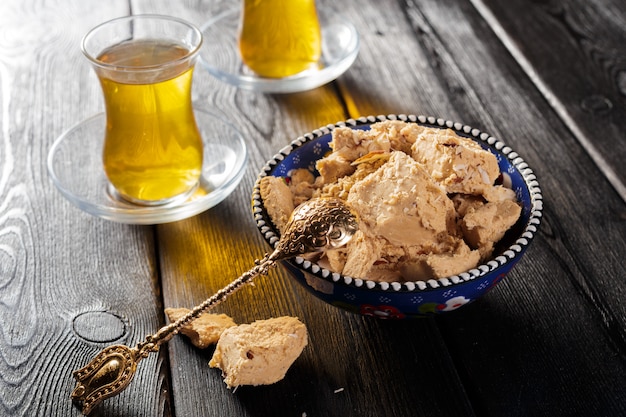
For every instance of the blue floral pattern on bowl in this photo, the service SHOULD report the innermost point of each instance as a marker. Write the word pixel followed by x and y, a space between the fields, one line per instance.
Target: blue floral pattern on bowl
pixel 399 300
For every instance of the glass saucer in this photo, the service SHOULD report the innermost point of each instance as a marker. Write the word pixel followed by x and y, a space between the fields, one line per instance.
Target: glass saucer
pixel 220 55
pixel 75 166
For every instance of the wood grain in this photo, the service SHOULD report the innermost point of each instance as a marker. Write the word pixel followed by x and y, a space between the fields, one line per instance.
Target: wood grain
pixel 58 263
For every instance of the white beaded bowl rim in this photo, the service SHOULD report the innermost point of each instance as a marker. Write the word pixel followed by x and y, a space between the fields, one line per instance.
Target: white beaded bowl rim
pixel 510 254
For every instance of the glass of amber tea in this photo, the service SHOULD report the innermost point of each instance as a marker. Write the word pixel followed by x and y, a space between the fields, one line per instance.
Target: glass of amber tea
pixel 279 38
pixel 152 152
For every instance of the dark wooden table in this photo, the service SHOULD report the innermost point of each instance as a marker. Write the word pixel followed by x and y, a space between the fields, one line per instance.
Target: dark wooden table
pixel 548 77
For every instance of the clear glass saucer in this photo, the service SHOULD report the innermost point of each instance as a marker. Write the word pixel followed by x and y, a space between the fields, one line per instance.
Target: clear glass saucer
pixel 75 167
pixel 220 54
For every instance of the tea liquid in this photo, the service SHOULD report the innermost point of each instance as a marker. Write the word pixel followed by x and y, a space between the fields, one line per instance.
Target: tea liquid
pixel 279 38
pixel 152 148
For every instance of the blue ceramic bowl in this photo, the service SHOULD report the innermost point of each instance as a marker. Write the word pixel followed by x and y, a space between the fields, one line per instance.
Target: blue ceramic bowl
pixel 415 298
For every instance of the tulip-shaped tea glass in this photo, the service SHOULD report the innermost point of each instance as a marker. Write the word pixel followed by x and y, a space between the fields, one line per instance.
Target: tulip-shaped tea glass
pixel 152 151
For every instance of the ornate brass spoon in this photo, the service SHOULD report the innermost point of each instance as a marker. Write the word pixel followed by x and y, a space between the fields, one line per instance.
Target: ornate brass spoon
pixel 314 226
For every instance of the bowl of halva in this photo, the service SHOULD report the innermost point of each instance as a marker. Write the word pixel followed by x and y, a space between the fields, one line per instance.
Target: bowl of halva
pixel 444 211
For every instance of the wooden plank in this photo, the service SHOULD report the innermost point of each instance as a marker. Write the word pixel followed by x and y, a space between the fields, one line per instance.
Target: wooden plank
pixel 70 284
pixel 585 82
pixel 200 255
